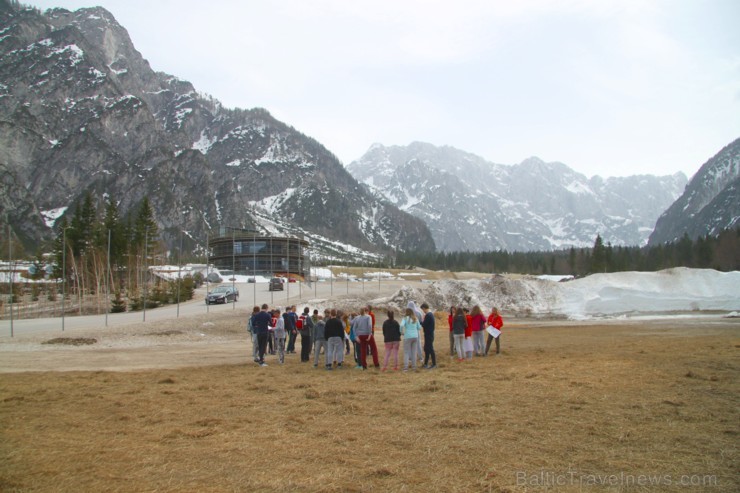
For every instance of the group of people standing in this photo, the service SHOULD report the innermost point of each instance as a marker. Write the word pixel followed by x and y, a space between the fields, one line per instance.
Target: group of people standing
pixel 332 333
pixel 468 329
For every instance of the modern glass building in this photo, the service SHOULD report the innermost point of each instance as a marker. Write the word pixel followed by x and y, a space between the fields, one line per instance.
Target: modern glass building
pixel 247 252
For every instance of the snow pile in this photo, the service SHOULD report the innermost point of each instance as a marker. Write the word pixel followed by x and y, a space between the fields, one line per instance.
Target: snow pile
pixel 671 291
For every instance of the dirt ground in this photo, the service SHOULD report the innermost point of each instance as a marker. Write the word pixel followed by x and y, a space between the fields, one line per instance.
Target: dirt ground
pixel 179 406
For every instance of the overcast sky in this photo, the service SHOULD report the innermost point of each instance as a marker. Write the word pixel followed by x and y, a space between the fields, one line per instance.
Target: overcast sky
pixel 612 88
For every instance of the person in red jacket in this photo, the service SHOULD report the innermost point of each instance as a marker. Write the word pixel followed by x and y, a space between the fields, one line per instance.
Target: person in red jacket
pixel 495 321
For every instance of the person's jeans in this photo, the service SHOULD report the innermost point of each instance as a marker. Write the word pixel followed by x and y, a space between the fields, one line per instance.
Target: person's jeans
pixel 291 341
pixel 270 348
pixel 255 347
pixel 459 338
pixel 335 351
pixel 498 343
pixel 280 343
pixel 356 352
pixel 305 347
pixel 429 351
pixel 478 346
pixel 410 349
pixel 391 350
pixel 262 343
pixel 317 345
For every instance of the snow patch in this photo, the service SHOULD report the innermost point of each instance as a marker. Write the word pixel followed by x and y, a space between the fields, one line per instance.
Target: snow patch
pixel 669 292
pixel 50 216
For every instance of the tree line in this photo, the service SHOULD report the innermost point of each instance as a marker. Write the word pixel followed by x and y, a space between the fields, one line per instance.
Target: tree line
pixel 721 252
pixel 98 252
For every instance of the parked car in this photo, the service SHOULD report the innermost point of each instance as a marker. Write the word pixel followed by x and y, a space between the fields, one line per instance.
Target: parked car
pixel 222 294
pixel 276 284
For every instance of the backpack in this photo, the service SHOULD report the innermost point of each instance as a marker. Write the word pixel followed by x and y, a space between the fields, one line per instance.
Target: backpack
pixel 299 322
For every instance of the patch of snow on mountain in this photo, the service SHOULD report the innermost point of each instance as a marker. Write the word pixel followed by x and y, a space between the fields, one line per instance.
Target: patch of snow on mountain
pixel 272 204
pixel 76 54
pixel 51 216
pixel 410 200
pixel 181 114
pixel 204 143
pixel 218 208
pixel 579 188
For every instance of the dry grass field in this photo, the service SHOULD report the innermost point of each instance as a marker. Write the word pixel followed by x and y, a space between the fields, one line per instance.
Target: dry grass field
pixel 650 406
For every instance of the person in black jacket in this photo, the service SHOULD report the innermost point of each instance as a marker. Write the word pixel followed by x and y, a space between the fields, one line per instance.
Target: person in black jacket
pixel 334 333
pixel 290 318
pixel 305 331
pixel 427 324
pixel 392 338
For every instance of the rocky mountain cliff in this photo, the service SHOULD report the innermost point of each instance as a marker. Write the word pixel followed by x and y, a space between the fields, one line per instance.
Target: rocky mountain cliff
pixel 710 203
pixel 471 204
pixel 81 110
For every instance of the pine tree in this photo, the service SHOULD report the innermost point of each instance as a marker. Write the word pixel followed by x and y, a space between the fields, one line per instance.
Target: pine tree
pixel 598 255
pixel 81 233
pixel 112 222
pixel 145 227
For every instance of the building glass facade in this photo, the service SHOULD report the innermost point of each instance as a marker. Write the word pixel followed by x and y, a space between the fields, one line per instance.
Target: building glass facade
pixel 247 252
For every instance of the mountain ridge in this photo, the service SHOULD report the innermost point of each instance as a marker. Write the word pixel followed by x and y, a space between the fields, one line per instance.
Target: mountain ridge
pixel 82 111
pixel 530 206
pixel 710 202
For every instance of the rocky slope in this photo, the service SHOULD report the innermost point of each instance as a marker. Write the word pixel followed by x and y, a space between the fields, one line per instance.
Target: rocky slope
pixel 710 203
pixel 471 204
pixel 81 110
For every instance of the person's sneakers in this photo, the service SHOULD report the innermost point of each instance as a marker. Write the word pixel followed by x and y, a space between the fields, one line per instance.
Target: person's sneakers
pixel 256 360
pixel 431 367
pixel 263 364
pixel 329 367
pixel 426 367
pixel 358 367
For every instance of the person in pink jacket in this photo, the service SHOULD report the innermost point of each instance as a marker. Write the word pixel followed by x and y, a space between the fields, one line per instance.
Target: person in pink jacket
pixel 478 326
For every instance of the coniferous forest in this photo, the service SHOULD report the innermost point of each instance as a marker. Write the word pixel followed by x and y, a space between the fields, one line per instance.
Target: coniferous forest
pixel 720 252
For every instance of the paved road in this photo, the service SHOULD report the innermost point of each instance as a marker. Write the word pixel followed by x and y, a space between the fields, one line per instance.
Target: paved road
pixel 250 294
